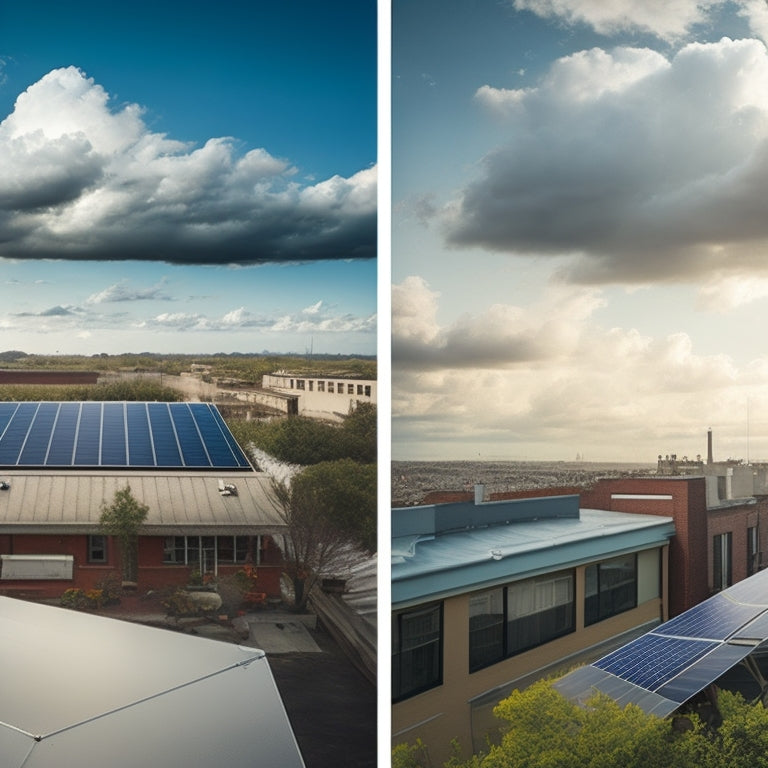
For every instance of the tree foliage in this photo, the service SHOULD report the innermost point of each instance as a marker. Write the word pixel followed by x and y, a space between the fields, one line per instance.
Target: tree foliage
pixel 330 513
pixel 344 494
pixel 122 519
pixel 306 441
pixel 542 729
pixel 118 391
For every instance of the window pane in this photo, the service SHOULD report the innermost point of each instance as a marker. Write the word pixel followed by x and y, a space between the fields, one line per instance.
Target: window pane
pixel 611 588
pixel 97 549
pixel 539 610
pixel 486 628
pixel 417 651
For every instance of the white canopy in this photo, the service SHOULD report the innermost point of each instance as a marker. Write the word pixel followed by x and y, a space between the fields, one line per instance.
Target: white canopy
pixel 82 690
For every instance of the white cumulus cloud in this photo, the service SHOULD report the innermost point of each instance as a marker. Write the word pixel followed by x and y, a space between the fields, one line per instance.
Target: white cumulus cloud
pixel 84 180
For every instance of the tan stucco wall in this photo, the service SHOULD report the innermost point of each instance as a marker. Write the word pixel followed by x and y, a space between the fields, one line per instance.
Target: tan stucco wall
pixel 444 713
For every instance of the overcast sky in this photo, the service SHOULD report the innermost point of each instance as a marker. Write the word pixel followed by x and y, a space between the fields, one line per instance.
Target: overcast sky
pixel 580 229
pixel 193 178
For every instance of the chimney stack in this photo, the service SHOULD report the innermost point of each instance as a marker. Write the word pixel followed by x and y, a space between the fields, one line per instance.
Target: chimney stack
pixel 709 446
pixel 479 493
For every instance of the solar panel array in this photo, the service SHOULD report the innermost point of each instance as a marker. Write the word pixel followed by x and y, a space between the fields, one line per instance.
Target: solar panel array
pixel 111 435
pixel 665 667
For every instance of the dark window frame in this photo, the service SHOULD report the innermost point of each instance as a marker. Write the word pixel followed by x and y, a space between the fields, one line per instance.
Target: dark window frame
pixel 95 547
pixel 528 630
pixel 722 561
pixel 408 662
pixel 611 598
pixel 753 550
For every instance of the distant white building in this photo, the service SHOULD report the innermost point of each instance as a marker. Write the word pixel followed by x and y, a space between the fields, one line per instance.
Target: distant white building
pixel 325 396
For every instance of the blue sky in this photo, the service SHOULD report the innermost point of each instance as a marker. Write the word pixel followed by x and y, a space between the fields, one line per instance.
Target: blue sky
pixel 190 178
pixel 579 228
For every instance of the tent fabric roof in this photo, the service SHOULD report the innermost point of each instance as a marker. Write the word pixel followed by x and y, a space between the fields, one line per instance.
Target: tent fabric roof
pixel 81 690
pixel 66 501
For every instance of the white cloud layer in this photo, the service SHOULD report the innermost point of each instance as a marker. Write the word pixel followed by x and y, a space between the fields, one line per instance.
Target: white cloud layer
pixel 548 381
pixel 666 19
pixel 82 180
pixel 639 167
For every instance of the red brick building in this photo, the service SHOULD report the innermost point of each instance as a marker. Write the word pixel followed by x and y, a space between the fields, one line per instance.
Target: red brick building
pixel 50 538
pixel 718 541
pixel 209 513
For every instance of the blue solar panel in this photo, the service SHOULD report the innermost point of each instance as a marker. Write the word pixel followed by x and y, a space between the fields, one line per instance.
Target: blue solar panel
pixel 684 655
pixel 192 448
pixel 6 413
pixel 140 450
pixel 16 432
pixel 62 446
pixel 164 436
pixel 94 434
pixel 114 451
pixel 39 436
pixel 234 448
pixel 88 446
pixel 651 660
pixel 716 618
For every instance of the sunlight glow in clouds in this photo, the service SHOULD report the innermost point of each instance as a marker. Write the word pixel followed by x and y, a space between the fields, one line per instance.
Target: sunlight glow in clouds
pixel 642 168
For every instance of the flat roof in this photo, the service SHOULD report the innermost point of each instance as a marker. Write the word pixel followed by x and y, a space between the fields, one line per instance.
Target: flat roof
pixel 187 503
pixel 430 566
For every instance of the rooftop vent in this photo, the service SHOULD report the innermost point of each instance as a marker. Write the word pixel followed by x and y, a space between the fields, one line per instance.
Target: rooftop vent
pixel 227 489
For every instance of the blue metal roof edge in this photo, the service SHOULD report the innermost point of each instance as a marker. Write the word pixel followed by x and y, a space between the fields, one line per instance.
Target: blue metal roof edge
pixel 457 578
pixel 440 518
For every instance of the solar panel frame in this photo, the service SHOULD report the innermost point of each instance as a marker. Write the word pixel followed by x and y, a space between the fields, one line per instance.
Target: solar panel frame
pixel 138 435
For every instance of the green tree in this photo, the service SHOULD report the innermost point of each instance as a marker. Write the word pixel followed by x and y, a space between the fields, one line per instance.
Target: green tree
pixel 542 729
pixel 330 513
pixel 358 434
pixel 122 520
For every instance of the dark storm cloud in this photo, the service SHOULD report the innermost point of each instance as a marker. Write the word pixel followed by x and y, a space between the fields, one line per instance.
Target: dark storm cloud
pixel 638 167
pixel 81 181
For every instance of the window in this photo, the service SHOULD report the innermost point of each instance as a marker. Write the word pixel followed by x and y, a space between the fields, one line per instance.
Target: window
pixel 359 389
pixel 321 386
pixel 486 628
pixel 340 388
pixel 417 651
pixel 539 610
pixel 611 588
pixel 311 385
pixel 330 387
pixel 299 383
pixel 721 561
pixel 752 551
pixel 367 390
pixel 350 389
pixel 210 550
pixel 97 549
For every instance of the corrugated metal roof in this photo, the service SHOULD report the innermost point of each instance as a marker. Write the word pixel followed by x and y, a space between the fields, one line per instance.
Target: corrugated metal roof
pixel 179 503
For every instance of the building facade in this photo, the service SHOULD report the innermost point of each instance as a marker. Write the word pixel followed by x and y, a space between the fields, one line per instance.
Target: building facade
pixel 487 597
pixel 322 395
pixel 61 464
pixel 718 542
